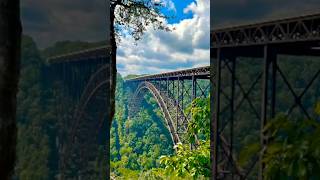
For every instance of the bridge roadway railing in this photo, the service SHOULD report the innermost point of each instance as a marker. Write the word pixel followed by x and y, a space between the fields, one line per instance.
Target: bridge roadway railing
pixel 199 72
pixel 282 31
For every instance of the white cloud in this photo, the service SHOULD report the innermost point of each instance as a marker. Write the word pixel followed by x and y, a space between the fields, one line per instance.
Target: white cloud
pixel 158 51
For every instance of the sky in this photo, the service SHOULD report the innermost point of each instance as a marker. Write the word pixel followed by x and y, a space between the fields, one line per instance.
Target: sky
pixel 158 51
pixel 187 46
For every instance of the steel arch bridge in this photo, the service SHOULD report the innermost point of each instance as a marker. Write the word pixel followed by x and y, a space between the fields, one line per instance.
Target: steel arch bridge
pixel 173 91
pixel 80 81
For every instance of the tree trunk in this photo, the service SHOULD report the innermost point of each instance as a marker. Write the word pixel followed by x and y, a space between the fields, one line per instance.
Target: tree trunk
pixel 113 64
pixel 10 37
pixel 113 78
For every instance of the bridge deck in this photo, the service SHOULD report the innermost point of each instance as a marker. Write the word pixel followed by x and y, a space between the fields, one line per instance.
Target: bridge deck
pixel 288 30
pixel 199 72
pixel 93 53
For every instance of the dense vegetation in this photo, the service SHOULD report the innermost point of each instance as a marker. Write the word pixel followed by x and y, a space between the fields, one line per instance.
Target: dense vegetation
pixel 36 149
pixel 141 146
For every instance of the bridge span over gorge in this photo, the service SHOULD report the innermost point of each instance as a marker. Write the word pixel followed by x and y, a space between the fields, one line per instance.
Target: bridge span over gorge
pixel 173 91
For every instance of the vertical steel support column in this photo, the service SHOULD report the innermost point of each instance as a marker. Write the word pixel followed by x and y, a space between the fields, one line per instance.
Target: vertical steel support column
pixel 233 76
pixel 216 116
pixel 167 89
pixel 268 57
pixel 173 89
pixel 273 84
pixel 182 95
pixel 158 85
pixel 194 87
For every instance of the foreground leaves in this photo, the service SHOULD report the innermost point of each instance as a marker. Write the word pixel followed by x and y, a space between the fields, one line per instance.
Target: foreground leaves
pixel 186 162
pixel 294 150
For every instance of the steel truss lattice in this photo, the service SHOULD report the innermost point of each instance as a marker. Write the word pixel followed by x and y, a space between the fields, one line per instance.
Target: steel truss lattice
pixel 264 44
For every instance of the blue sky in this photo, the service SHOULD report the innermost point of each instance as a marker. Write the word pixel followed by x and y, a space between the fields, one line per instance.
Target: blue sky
pixel 186 46
pixel 179 14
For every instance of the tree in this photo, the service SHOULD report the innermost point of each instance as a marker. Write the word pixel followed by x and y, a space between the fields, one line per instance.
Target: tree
pixel 10 37
pixel 134 16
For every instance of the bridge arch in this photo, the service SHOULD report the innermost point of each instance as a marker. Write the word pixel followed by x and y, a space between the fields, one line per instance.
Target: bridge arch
pixel 88 118
pixel 97 82
pixel 164 102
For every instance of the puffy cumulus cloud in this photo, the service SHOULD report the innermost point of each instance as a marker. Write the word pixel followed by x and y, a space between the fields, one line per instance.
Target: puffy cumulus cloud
pixel 159 51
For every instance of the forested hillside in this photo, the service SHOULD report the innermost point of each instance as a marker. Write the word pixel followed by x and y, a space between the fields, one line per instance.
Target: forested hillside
pixel 36 149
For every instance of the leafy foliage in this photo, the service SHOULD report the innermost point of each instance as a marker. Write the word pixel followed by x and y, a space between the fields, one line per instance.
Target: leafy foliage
pixel 187 162
pixel 200 121
pixel 294 149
